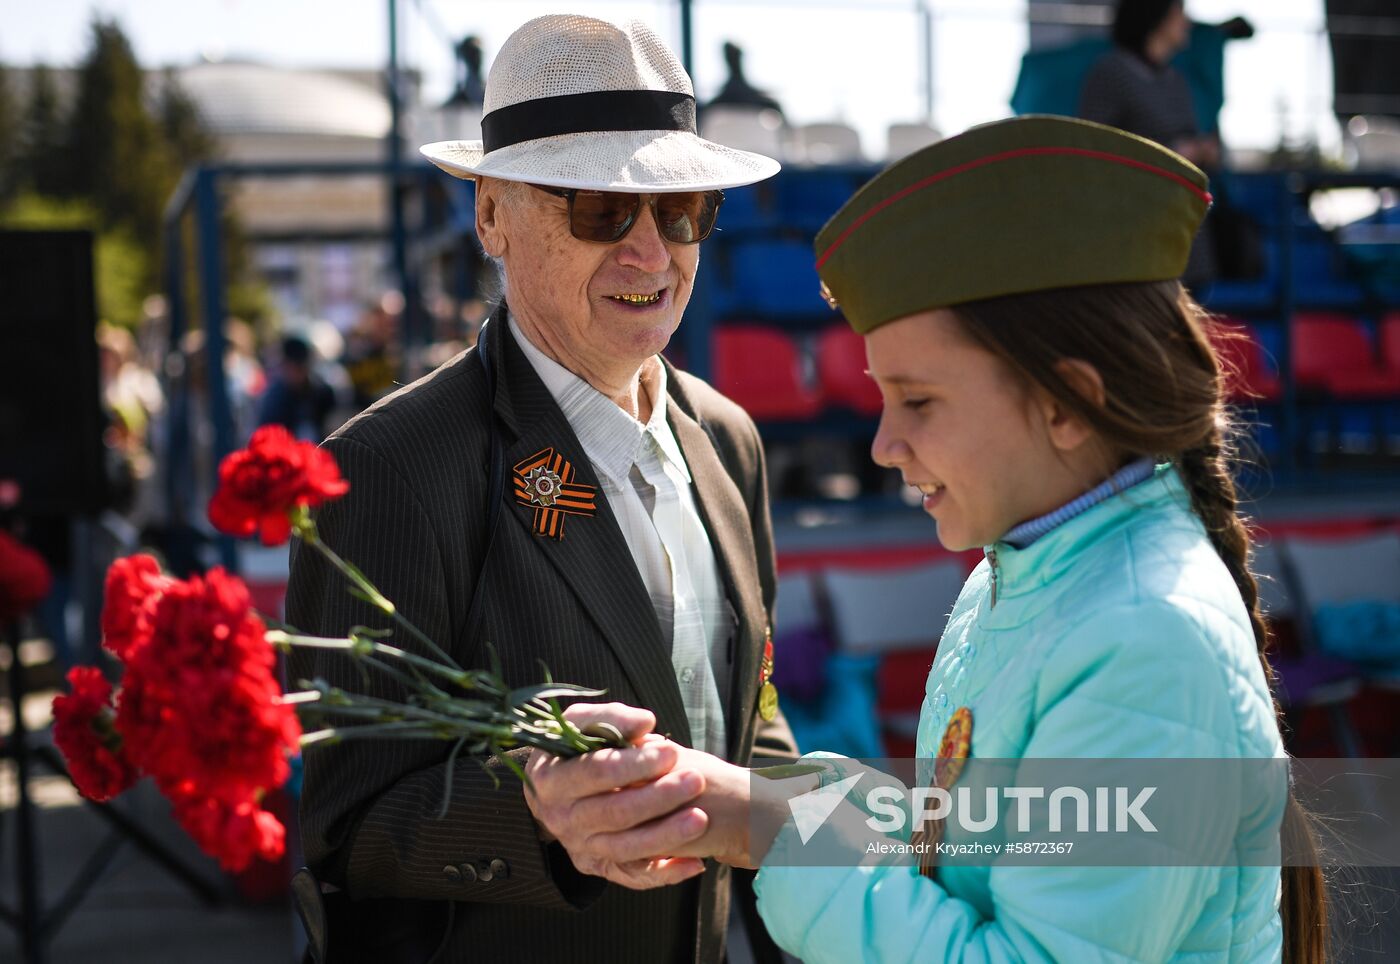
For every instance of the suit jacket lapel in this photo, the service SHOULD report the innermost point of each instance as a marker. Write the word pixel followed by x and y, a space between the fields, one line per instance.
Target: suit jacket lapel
pixel 592 557
pixel 726 519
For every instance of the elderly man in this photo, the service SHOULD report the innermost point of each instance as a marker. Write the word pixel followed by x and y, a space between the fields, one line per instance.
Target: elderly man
pixel 565 495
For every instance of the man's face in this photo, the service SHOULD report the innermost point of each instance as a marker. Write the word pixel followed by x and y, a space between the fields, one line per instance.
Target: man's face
pixel 596 304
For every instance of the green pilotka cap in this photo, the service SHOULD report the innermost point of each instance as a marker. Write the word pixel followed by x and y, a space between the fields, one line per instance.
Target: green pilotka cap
pixel 1018 205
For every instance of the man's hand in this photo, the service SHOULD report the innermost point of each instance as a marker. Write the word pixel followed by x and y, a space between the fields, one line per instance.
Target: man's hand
pixel 615 810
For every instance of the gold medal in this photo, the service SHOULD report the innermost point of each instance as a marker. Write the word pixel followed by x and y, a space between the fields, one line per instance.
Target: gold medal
pixel 768 701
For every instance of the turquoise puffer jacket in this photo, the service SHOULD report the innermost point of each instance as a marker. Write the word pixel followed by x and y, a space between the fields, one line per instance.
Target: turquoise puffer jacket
pixel 1118 634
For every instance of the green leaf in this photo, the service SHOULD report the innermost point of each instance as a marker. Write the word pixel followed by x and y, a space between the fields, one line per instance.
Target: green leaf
pixel 548 691
pixel 447 778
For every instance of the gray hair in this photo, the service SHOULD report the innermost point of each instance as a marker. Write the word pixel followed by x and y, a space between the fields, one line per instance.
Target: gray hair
pixel 495 287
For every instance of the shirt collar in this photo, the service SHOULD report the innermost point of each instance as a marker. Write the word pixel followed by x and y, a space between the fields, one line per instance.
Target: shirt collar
pixel 1023 535
pixel 611 438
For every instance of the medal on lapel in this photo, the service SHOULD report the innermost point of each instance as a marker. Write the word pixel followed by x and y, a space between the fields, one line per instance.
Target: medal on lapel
pixel 953 751
pixel 767 693
pixel 545 483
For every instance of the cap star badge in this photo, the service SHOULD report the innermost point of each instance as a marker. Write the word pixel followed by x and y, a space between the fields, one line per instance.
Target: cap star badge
pixel 545 483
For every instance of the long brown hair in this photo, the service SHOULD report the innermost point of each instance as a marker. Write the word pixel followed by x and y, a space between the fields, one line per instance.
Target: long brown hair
pixel 1164 396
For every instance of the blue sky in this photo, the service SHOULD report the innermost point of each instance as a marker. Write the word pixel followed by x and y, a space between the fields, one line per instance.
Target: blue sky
pixel 858 62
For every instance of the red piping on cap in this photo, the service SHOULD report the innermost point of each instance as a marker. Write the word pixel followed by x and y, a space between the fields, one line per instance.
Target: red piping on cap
pixel 1006 156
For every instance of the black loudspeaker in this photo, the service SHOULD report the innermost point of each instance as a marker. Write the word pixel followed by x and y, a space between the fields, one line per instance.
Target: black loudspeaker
pixel 51 418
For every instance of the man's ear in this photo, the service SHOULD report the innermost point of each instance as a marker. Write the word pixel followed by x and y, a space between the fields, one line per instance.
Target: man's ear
pixel 488 216
pixel 1066 428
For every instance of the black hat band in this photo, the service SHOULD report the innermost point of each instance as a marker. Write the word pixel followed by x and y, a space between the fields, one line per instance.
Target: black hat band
pixel 596 111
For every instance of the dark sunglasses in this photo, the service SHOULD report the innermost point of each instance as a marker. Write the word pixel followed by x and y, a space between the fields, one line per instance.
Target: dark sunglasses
pixel 604 217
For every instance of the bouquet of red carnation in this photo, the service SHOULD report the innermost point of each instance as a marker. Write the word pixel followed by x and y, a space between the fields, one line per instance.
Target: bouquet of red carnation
pixel 199 708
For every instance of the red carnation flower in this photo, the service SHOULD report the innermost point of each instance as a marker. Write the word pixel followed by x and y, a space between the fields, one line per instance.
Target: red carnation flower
pixel 83 731
pixel 200 702
pixel 261 485
pixel 133 586
pixel 24 578
pixel 232 833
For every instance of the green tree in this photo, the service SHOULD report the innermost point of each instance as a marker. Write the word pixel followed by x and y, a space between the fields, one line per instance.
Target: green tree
pixel 110 162
pixel 182 128
pixel 119 260
pixel 114 150
pixel 9 136
pixel 38 154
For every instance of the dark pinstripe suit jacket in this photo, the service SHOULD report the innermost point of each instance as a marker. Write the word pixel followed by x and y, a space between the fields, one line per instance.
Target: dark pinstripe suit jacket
pixel 414 521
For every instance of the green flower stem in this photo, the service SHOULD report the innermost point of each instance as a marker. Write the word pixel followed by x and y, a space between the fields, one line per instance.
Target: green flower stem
pixel 363 646
pixel 306 529
pixel 397 729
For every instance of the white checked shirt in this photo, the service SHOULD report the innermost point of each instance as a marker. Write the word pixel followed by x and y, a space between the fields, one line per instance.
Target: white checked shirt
pixel 646 481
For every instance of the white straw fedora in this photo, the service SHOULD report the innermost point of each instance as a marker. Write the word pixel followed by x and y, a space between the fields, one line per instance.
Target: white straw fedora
pixel 575 102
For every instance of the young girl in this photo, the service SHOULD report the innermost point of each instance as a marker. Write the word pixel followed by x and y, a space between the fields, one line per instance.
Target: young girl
pixel 1049 388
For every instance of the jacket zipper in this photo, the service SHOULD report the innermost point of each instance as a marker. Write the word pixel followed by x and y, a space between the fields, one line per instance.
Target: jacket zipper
pixel 996 574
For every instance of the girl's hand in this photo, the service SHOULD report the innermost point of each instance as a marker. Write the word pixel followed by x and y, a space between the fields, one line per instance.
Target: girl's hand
pixel 745 810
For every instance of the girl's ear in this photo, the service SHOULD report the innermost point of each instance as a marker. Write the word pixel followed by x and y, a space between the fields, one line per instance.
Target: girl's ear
pixel 488 212
pixel 1067 430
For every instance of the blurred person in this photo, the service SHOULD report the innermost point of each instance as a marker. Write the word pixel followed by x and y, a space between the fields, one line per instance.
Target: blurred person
pixel 1135 88
pixel 564 420
pixel 244 373
pixel 371 355
pixel 737 91
pixel 129 388
pixel 297 397
pixel 470 89
pixel 327 350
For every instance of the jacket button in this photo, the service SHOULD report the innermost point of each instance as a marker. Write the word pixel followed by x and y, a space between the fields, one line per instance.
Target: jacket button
pixel 469 874
pixel 452 874
pixel 500 869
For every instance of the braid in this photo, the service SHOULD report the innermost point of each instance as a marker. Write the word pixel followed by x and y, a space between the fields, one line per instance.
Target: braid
pixel 1205 468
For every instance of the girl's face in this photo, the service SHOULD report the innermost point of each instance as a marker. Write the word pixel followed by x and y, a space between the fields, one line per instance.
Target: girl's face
pixel 985 451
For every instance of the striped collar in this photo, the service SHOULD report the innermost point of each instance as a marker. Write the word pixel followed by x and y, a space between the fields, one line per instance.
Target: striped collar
pixel 1025 533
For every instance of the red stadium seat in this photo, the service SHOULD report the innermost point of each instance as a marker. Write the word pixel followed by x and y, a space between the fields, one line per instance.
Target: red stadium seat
pixel 1390 341
pixel 841 371
pixel 1250 375
pixel 1334 353
pixel 761 369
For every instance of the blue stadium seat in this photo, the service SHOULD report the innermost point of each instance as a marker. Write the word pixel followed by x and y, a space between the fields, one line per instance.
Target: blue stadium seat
pixel 745 209
pixel 808 197
pixel 1248 297
pixel 1319 279
pixel 774 280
